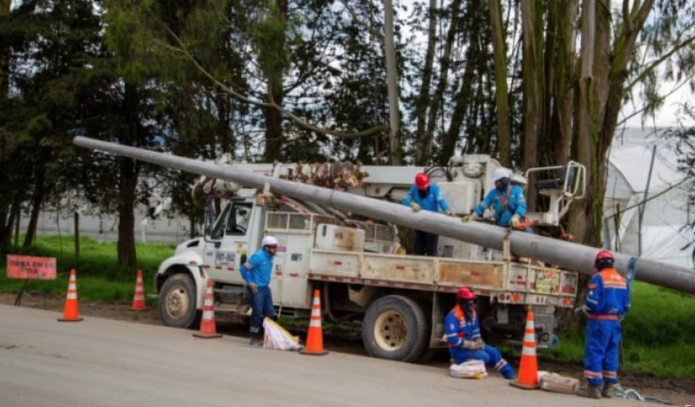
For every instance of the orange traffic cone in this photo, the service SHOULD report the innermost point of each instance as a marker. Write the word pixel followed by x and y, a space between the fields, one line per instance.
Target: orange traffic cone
pixel 71 312
pixel 314 342
pixel 207 325
pixel 528 368
pixel 139 297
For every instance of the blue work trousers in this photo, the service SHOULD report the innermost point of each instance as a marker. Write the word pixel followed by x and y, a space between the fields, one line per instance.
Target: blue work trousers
pixel 601 347
pixel 489 356
pixel 262 305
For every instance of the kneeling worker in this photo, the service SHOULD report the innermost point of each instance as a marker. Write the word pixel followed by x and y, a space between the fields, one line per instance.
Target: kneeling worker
pixel 257 272
pixel 506 200
pixel 462 330
pixel 424 195
pixel 606 304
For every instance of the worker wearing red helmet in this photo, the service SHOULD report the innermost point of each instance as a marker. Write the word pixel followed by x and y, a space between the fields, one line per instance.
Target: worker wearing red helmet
pixel 462 330
pixel 607 302
pixel 424 195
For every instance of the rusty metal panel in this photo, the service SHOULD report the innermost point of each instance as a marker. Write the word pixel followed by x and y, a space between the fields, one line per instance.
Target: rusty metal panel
pixel 333 237
pixel 331 263
pixel 475 274
pixel 399 268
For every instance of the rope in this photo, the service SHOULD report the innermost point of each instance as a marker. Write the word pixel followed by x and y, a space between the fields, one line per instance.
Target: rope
pixel 632 394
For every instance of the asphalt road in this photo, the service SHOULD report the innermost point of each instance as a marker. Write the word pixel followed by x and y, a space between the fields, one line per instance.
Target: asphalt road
pixel 101 362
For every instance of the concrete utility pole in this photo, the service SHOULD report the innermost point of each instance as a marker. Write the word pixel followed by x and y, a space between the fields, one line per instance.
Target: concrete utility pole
pixel 571 256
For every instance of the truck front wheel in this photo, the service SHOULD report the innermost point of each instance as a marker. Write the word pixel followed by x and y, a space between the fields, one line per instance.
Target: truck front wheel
pixel 177 302
pixel 395 327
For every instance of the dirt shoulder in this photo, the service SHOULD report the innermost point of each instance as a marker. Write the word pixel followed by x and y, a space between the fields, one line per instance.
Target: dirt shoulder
pixel 677 391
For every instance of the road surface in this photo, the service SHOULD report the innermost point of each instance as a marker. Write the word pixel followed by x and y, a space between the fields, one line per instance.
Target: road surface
pixel 100 362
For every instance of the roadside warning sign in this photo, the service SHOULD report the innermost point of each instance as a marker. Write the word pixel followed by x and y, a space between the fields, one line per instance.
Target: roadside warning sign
pixel 32 268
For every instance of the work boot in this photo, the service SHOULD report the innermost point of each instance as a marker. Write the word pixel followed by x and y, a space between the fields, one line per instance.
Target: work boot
pixel 256 343
pixel 589 390
pixel 610 390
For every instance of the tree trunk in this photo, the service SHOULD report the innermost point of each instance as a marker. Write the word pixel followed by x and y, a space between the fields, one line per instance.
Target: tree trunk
pixel 273 117
pixel 504 131
pixel 127 180
pixel 463 99
pixel 424 98
pixel 425 142
pixel 392 74
pixel 36 201
pixel 560 132
pixel 532 73
pixel 5 6
pixel 126 217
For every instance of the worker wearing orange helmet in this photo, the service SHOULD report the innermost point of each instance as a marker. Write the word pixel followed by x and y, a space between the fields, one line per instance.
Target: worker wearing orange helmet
pixel 462 330
pixel 607 302
pixel 424 195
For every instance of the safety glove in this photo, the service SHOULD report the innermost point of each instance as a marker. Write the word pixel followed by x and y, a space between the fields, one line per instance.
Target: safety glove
pixel 471 217
pixel 480 343
pixel 470 345
pixel 449 213
pixel 415 207
pixel 515 221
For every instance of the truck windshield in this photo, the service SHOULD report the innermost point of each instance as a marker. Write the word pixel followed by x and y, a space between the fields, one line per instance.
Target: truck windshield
pixel 218 230
pixel 240 218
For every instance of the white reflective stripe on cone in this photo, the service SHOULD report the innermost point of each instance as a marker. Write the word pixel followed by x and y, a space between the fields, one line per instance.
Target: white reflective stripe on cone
pixel 529 338
pixel 315 313
pixel 528 351
pixel 317 301
pixel 139 297
pixel 208 315
pixel 208 303
pixel 72 296
pixel 315 323
pixel 72 287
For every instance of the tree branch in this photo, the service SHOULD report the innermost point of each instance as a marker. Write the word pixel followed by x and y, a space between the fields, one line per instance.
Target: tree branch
pixel 183 49
pixel 357 20
pixel 658 62
pixel 645 107
pixel 627 20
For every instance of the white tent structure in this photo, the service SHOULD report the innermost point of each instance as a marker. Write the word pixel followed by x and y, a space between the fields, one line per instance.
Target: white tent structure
pixel 664 232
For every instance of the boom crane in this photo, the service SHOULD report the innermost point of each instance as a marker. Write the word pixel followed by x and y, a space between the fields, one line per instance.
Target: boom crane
pixel 565 254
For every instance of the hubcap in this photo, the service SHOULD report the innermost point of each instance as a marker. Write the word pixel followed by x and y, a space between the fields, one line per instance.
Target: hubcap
pixel 177 301
pixel 390 331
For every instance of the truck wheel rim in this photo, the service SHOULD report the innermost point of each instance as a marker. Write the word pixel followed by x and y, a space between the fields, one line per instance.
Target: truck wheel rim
pixel 390 331
pixel 177 302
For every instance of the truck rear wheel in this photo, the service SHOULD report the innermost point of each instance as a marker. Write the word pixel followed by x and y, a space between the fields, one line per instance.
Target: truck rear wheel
pixel 395 327
pixel 177 302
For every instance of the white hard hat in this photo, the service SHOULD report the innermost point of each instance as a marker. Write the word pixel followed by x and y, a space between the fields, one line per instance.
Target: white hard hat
pixel 501 173
pixel 269 241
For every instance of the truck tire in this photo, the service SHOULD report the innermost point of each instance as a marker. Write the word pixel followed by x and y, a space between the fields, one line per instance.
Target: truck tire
pixel 177 302
pixel 395 327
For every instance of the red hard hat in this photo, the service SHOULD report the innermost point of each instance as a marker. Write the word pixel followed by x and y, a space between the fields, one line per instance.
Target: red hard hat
pixel 422 181
pixel 604 254
pixel 466 293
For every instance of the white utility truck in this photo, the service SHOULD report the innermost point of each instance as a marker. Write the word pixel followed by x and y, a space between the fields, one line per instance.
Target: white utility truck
pixel 356 263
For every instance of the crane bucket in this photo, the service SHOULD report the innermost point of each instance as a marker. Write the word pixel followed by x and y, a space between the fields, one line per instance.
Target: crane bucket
pixel 568 255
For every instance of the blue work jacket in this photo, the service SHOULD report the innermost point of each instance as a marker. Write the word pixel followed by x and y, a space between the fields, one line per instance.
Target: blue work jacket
pixel 432 202
pixel 609 295
pixel 505 204
pixel 261 269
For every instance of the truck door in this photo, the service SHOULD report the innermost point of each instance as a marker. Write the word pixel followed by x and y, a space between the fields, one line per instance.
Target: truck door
pixel 229 242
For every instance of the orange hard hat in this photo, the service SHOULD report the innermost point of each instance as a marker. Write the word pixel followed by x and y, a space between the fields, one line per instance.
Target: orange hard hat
pixel 422 180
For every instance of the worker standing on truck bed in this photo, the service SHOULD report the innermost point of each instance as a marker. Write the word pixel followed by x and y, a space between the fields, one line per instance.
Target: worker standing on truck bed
pixel 462 330
pixel 257 272
pixel 424 195
pixel 606 304
pixel 506 200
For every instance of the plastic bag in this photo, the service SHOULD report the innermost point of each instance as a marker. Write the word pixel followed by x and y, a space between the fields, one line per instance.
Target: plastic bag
pixel 276 337
pixel 472 369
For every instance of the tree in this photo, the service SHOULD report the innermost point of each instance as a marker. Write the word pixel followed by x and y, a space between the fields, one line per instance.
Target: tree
pixel 504 135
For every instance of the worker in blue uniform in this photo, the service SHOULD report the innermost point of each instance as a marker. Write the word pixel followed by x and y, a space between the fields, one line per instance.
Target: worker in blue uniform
pixel 462 330
pixel 607 302
pixel 257 272
pixel 424 195
pixel 506 200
